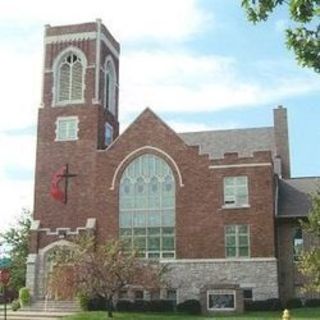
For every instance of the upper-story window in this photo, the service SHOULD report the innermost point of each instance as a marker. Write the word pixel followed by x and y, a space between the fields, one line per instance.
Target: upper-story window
pixel 147 207
pixel 67 128
pixel 69 79
pixel 110 86
pixel 297 243
pixel 236 191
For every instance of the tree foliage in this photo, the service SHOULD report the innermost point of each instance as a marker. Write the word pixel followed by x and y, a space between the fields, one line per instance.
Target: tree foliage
pixel 309 264
pixel 16 240
pixel 101 270
pixel 304 37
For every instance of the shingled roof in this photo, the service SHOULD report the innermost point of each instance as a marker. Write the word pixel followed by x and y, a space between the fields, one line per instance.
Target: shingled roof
pixel 294 196
pixel 243 141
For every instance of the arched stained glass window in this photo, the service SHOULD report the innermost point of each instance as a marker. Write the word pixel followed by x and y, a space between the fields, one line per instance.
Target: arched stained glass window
pixel 70 79
pixel 147 207
pixel 110 86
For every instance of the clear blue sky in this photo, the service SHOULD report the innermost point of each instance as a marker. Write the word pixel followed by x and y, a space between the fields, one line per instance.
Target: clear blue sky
pixel 199 64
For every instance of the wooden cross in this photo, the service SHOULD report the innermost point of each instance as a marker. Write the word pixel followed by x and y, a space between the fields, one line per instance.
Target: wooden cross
pixel 66 177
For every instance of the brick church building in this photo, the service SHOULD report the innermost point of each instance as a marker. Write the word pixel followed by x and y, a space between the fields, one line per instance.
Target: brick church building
pixel 219 207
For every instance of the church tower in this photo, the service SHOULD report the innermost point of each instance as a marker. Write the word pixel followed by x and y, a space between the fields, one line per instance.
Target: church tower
pixel 78 117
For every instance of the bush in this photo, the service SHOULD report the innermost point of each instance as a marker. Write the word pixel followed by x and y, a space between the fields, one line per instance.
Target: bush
pixel 141 306
pixel 24 297
pixel 294 303
pixel 312 303
pixel 84 302
pixel 161 306
pixel 124 306
pixel 97 303
pixel 263 305
pixel 189 306
pixel 15 305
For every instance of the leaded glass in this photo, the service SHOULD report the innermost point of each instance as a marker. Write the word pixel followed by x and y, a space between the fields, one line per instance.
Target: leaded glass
pixel 147 207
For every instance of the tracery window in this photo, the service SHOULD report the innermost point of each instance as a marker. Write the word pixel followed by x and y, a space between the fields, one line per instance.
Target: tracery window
pixel 110 86
pixel 70 79
pixel 147 207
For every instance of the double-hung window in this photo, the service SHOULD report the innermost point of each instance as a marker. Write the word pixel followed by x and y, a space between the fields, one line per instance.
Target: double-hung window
pixel 67 128
pixel 236 191
pixel 237 241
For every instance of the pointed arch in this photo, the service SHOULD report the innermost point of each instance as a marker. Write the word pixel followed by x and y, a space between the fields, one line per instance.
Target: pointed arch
pixel 69 76
pixel 110 86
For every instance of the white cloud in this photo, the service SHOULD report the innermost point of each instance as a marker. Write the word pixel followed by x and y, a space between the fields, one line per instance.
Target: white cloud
pixel 167 81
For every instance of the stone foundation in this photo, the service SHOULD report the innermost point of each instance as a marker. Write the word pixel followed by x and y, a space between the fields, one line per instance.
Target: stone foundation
pixel 190 276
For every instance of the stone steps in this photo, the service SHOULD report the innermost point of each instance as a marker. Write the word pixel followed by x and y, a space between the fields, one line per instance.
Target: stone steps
pixel 53 306
pixel 30 315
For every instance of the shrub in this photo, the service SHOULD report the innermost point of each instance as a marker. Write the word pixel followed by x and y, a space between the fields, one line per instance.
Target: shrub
pixel 24 297
pixel 124 306
pixel 294 303
pixel 15 305
pixel 97 303
pixel 84 302
pixel 161 306
pixel 263 305
pixel 189 306
pixel 312 303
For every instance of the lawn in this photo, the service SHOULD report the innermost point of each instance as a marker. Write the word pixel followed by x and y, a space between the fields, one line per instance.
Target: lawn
pixel 299 314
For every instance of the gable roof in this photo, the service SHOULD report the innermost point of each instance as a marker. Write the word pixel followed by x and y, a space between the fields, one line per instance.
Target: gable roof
pixel 294 196
pixel 242 141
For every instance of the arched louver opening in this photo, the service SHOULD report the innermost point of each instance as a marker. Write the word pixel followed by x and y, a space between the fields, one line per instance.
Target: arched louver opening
pixel 147 207
pixel 110 87
pixel 70 79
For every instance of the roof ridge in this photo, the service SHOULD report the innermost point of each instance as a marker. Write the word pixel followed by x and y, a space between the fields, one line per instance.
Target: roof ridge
pixel 224 130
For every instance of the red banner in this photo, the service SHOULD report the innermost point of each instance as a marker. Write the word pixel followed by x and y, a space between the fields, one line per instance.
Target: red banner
pixel 55 191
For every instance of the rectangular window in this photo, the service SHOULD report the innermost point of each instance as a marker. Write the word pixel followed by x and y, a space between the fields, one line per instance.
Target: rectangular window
pixel 155 295
pixel 247 294
pixel 138 295
pixel 221 300
pixel 108 134
pixel 237 241
pixel 67 128
pixel 235 191
pixel 172 295
pixel 297 243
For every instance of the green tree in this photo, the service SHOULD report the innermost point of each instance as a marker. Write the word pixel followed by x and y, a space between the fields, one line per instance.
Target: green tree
pixel 101 270
pixel 16 240
pixel 309 264
pixel 304 37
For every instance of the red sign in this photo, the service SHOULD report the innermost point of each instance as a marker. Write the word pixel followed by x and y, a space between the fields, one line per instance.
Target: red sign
pixel 4 276
pixel 55 191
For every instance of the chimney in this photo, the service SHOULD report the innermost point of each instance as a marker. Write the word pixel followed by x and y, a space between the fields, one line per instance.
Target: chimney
pixel 282 139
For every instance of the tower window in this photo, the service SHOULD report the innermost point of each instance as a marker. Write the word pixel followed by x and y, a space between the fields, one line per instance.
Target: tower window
pixel 67 128
pixel 110 86
pixel 70 79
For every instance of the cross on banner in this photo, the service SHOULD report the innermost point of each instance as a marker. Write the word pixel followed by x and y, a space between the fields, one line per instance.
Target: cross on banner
pixel 55 191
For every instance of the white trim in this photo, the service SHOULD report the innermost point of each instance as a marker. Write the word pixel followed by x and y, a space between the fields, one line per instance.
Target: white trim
pixel 81 36
pixel 146 148
pixel 57 128
pixel 219 260
pixel 55 68
pixel 98 49
pixel 241 165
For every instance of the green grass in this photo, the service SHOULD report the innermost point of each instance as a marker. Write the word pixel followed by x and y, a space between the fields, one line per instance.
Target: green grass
pixel 299 314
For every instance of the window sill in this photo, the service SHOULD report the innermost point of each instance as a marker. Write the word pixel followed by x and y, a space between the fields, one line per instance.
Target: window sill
pixel 64 140
pixel 69 102
pixel 246 206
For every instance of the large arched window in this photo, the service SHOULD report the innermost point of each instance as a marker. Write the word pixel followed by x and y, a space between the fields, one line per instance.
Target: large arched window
pixel 70 79
pixel 147 207
pixel 110 86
